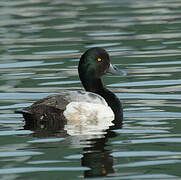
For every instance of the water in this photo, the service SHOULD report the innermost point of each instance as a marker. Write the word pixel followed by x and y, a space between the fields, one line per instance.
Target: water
pixel 40 45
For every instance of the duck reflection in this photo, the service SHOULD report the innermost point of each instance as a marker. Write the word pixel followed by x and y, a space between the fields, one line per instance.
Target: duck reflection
pixel 97 158
pixel 92 138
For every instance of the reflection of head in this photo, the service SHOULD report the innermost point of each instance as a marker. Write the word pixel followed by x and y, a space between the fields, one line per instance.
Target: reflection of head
pixel 100 164
pixel 97 158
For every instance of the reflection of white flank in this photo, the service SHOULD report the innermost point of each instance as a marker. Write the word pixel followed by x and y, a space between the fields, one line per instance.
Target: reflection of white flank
pixel 87 118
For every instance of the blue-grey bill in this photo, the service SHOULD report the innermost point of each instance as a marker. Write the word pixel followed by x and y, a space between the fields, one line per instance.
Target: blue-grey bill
pixel 115 71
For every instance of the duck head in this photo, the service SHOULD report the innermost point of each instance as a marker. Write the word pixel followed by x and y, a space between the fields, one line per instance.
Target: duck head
pixel 93 64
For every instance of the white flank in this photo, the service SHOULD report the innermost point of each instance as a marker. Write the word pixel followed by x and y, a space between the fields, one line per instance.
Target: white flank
pixel 87 118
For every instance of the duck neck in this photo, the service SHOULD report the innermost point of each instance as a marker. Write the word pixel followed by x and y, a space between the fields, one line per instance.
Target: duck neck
pixel 95 85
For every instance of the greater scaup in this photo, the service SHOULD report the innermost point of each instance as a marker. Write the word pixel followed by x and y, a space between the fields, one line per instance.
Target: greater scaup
pixel 88 106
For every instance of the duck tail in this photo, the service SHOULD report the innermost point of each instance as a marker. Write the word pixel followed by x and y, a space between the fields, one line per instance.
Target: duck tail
pixel 22 111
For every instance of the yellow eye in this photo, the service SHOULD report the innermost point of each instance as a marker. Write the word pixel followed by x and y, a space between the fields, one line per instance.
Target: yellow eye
pixel 99 59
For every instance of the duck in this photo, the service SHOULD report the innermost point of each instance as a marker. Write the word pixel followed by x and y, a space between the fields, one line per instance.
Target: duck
pixel 94 104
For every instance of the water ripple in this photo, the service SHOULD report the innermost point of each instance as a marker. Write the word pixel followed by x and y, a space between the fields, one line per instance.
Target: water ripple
pixel 148 83
pixel 40 169
pixel 149 163
pixel 9 133
pixel 19 153
pixel 144 153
